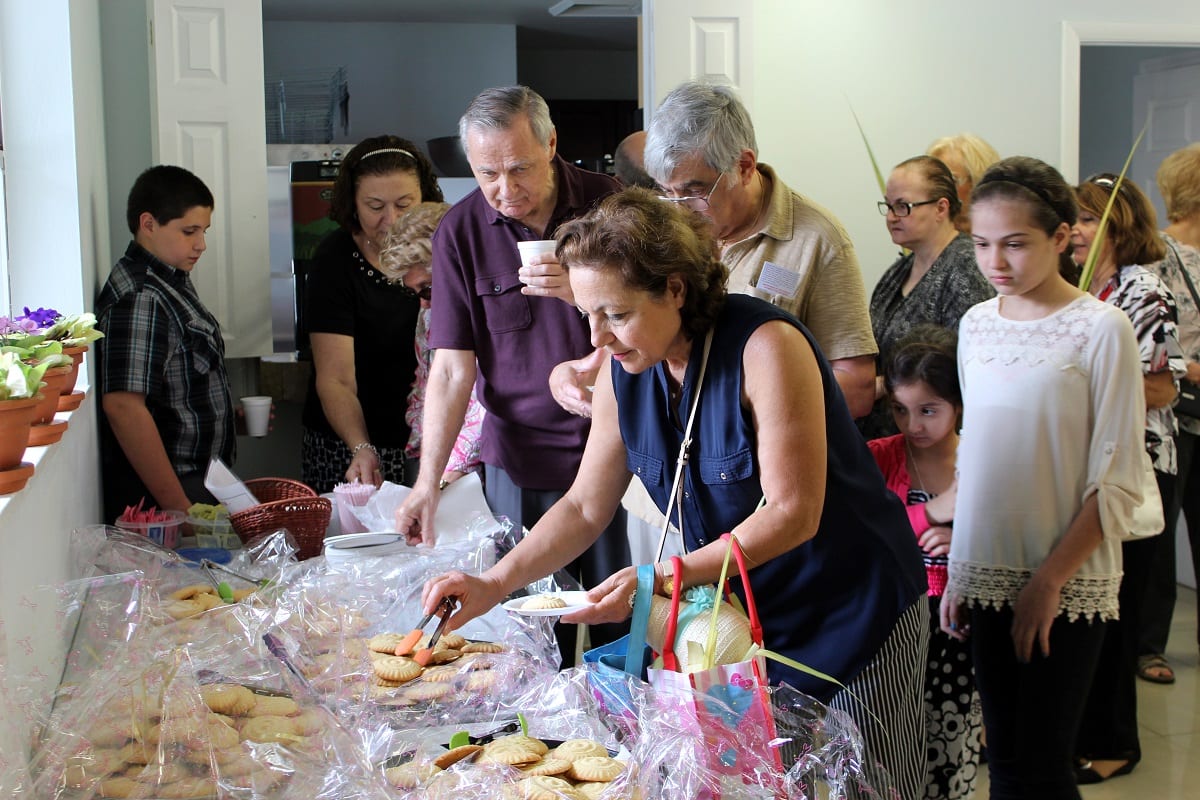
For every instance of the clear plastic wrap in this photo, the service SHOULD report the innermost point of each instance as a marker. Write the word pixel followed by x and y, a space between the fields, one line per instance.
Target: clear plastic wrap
pixel 14 774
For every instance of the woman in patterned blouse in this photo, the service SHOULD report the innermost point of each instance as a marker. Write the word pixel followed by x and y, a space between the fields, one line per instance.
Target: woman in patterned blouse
pixel 1108 739
pixel 935 281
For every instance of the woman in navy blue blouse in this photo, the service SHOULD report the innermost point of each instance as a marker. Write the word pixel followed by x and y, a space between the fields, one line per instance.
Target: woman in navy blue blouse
pixel 835 571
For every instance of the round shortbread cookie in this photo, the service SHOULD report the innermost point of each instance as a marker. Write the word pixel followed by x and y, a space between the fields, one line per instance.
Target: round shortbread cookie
pixel 425 692
pixel 228 698
pixel 482 680
pixel 385 643
pixel 520 740
pixel 410 775
pixel 509 756
pixel 593 790
pixel 221 735
pixel 443 673
pixel 119 787
pixel 208 601
pixel 396 668
pixel 182 609
pixel 310 722
pixel 241 594
pixel 454 755
pixel 573 749
pixel 454 641
pixel 270 729
pixel 444 655
pixel 273 706
pixel 545 787
pixel 188 592
pixel 595 768
pixel 547 765
pixel 482 647
pixel 543 602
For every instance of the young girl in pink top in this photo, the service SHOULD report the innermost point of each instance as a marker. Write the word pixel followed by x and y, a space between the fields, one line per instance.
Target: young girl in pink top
pixel 918 465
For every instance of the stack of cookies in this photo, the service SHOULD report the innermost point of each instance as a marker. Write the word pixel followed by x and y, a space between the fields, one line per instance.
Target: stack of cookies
pixel 526 768
pixel 198 598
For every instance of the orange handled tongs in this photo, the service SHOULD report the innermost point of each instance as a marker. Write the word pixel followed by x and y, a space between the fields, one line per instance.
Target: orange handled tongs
pixel 446 607
pixel 422 656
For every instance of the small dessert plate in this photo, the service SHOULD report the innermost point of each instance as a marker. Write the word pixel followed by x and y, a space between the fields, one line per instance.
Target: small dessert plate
pixel 575 601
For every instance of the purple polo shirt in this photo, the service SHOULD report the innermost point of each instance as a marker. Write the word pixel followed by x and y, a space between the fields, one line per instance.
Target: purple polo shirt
pixel 517 340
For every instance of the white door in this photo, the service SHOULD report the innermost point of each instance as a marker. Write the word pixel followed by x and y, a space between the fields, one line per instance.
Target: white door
pixel 696 40
pixel 207 115
pixel 1167 91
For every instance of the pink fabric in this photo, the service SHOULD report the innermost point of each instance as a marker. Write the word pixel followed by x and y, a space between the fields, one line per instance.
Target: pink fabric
pixel 890 456
pixel 465 455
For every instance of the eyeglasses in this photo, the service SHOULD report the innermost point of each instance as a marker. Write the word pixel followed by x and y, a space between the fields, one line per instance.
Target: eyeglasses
pixel 425 292
pixel 901 208
pixel 695 203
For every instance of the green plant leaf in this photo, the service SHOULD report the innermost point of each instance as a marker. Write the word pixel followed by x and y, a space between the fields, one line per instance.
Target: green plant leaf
pixel 1089 266
pixel 870 153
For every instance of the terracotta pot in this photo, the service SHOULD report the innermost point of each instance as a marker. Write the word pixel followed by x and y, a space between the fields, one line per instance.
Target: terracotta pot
pixel 76 354
pixel 15 419
pixel 53 383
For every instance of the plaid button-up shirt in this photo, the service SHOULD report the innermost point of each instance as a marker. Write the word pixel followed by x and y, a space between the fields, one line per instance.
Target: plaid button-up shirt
pixel 160 341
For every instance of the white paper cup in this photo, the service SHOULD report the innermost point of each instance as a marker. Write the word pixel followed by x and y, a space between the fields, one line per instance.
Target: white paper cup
pixel 258 414
pixel 530 249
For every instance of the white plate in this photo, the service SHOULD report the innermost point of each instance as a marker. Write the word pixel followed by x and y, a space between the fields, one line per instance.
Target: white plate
pixel 576 601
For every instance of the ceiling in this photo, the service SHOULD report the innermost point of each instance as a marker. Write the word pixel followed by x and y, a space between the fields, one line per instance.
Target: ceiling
pixel 537 29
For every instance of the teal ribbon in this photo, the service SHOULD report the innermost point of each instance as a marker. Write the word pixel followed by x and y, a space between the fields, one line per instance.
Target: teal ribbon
pixel 700 600
pixel 640 620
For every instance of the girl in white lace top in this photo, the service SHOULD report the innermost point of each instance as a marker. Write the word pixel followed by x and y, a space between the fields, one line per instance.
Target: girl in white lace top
pixel 1050 471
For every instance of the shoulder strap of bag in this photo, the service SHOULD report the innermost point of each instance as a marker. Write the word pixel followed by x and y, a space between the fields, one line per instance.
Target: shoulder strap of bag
pixel 674 502
pixel 1183 269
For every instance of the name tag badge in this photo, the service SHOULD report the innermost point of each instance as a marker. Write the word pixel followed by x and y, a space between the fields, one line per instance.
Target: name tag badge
pixel 776 280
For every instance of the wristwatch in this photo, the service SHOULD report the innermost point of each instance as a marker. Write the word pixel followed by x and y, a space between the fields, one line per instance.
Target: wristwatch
pixel 667 574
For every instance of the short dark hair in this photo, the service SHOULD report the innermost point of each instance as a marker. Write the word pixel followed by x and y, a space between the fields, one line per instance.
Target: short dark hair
pixel 648 241
pixel 379 155
pixel 1132 225
pixel 927 353
pixel 167 192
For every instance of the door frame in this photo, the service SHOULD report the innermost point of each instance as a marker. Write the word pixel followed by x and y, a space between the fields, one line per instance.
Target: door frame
pixel 1077 34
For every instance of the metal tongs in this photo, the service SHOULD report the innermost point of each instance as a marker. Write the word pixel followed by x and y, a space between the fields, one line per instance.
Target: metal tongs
pixel 224 590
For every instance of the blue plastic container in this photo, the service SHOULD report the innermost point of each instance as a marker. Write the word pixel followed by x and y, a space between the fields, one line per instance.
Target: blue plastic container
pixel 214 554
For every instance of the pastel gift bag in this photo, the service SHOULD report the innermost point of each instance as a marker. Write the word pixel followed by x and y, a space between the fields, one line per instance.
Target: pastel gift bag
pixel 727 703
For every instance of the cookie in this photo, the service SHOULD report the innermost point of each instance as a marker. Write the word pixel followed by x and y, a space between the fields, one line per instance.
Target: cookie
pixel 310 722
pixel 228 698
pixel 547 765
pixel 590 790
pixel 482 647
pixel 273 706
pixel 410 775
pixel 425 692
pixel 454 641
pixel 188 592
pixel 444 655
pixel 444 673
pixel 520 740
pixel 396 668
pixel 545 787
pixel 385 643
pixel 482 680
pixel 573 749
pixel 544 602
pixel 120 787
pixel 221 735
pixel 453 756
pixel 595 768
pixel 270 729
pixel 182 609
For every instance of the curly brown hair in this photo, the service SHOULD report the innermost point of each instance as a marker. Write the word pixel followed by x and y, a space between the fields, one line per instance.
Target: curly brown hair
pixel 1132 226
pixel 648 241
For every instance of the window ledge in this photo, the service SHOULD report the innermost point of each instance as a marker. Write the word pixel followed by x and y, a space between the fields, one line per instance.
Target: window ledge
pixel 39 456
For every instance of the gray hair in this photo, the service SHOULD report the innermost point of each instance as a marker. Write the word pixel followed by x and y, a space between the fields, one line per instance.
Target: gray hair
pixel 497 108
pixel 703 118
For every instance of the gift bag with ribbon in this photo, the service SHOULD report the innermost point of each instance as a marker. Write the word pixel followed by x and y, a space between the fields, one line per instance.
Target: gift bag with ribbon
pixel 722 689
pixel 617 662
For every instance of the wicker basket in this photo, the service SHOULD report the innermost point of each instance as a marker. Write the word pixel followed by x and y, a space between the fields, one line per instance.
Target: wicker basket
pixel 287 504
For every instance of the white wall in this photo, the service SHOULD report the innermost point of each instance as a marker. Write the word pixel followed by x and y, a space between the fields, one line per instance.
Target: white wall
pixel 913 73
pixel 58 233
pixel 408 79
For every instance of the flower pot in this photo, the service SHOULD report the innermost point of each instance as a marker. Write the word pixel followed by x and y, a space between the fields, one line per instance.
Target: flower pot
pixel 44 429
pixel 15 419
pixel 70 399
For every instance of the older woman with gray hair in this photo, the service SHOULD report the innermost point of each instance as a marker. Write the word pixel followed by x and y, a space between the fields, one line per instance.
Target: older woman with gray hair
pixel 775 458
pixel 405 258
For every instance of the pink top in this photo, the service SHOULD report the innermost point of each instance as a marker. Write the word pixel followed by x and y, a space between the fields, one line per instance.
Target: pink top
pixel 465 455
pixel 890 456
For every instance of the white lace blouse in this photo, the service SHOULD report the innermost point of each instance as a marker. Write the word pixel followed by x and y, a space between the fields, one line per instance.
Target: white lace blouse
pixel 1053 410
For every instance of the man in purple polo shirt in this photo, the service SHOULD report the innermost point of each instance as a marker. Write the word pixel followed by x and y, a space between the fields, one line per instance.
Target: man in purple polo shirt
pixel 504 327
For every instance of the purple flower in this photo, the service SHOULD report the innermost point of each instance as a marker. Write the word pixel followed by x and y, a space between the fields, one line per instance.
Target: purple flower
pixel 18 325
pixel 42 317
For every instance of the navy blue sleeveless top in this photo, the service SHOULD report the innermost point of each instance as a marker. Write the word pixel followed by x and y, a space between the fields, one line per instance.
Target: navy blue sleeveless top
pixel 829 603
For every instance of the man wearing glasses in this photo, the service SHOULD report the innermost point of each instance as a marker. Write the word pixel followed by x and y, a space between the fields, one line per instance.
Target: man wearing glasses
pixel 777 244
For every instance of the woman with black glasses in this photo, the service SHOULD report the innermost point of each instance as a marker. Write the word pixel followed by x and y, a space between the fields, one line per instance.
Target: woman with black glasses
pixel 935 279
